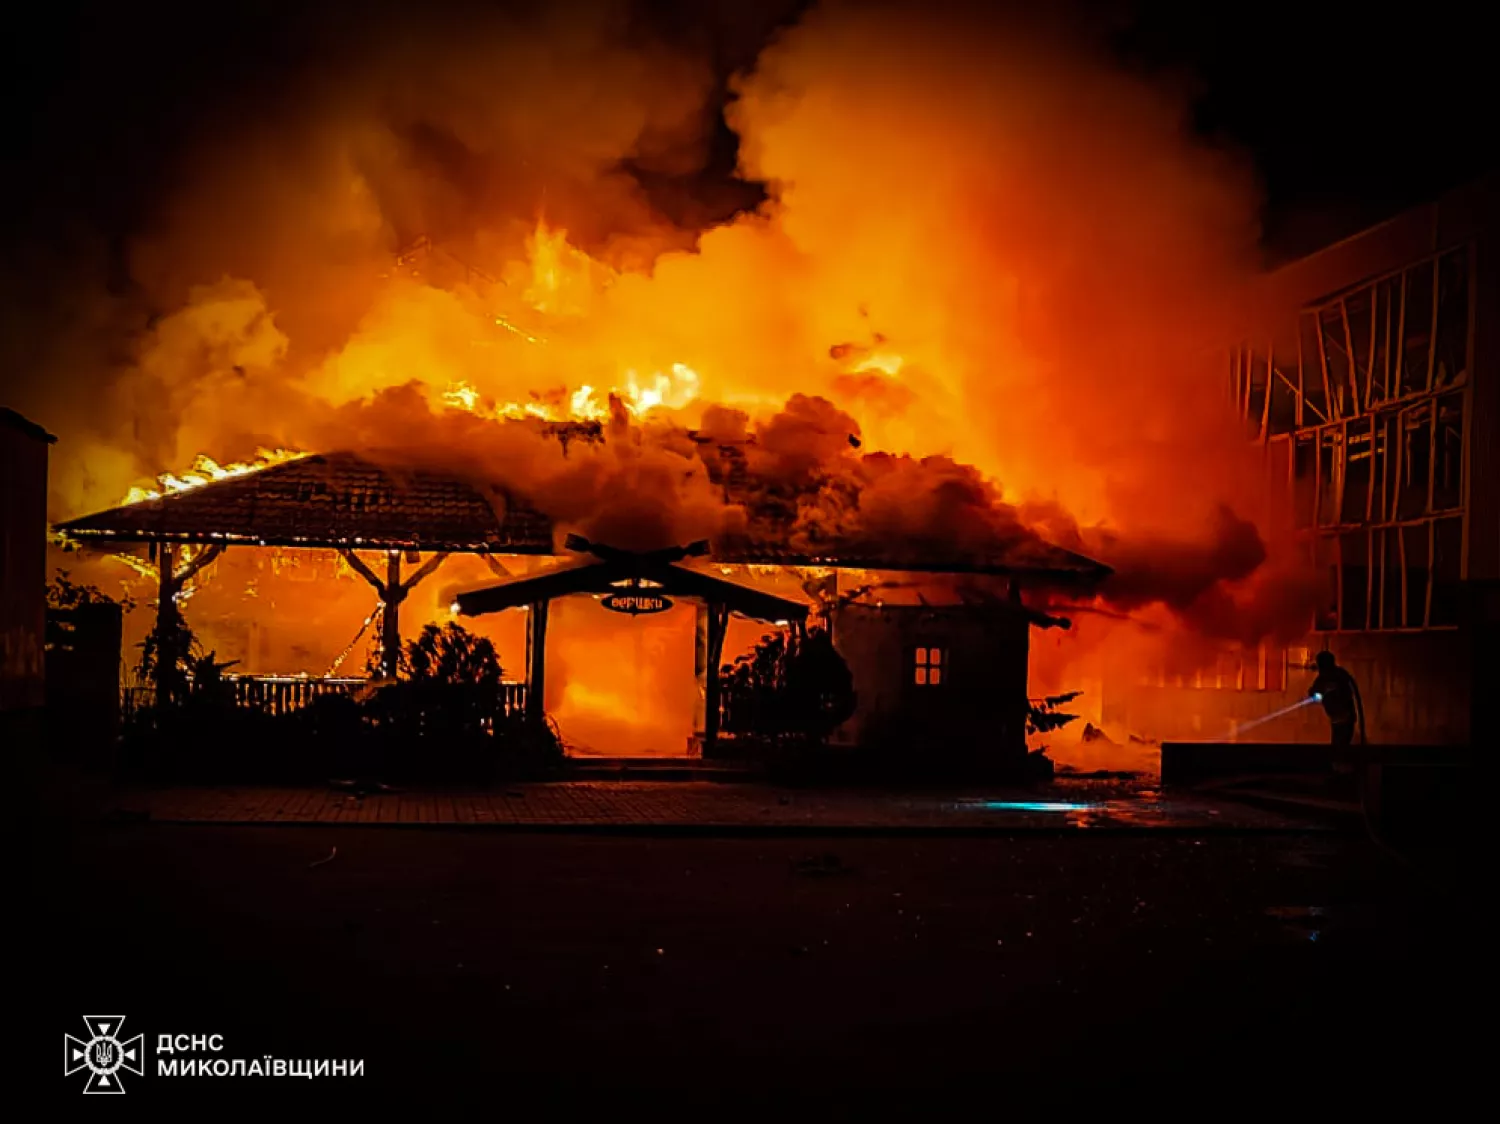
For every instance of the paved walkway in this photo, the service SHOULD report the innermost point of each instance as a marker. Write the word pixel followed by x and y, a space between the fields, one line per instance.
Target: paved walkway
pixel 708 807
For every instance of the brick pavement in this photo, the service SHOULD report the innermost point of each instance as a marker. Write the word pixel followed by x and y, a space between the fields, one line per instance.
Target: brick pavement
pixel 708 807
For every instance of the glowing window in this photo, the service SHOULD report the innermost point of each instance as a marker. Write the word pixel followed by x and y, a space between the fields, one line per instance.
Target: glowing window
pixel 929 666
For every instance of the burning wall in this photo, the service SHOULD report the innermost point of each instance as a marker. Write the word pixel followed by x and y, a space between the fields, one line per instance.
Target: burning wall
pixel 970 308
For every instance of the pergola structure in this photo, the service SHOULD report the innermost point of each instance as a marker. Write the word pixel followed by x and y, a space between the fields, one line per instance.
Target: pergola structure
pixel 339 501
pixel 638 583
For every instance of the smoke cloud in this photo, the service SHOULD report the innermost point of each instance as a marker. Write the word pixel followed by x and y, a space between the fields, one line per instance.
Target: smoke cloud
pixel 974 305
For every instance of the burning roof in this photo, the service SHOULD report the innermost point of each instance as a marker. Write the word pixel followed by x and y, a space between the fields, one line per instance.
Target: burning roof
pixel 348 500
pixel 333 500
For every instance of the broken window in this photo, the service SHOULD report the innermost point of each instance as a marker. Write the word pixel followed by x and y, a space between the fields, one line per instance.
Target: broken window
pixel 1315 388
pixel 930 664
pixel 1416 335
pixel 1448 449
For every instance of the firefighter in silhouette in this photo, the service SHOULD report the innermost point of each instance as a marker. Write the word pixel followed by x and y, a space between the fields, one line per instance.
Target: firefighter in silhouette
pixel 1336 689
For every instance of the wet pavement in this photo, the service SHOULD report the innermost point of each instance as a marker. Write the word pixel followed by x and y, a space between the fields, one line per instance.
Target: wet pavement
pixel 707 807
pixel 1050 969
pixel 1062 946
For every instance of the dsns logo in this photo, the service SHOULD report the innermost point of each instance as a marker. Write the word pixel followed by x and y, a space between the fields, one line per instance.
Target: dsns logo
pixel 104 1054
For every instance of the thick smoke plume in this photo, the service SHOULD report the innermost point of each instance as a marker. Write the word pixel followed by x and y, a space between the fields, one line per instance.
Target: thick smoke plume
pixel 976 307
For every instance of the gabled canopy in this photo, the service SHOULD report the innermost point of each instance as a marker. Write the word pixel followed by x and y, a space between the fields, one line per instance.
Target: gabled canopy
pixel 630 576
pixel 337 500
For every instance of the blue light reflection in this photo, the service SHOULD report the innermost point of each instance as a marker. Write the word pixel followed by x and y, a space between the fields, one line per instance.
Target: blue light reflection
pixel 1034 806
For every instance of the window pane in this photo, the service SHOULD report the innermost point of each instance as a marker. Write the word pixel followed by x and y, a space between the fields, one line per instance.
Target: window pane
pixel 937 677
pixel 922 656
pixel 922 676
pixel 937 656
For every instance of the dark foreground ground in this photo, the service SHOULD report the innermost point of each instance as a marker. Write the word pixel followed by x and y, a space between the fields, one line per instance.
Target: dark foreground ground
pixel 1054 970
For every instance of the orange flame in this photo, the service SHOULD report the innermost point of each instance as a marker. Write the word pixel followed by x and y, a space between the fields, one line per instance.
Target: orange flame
pixel 206 470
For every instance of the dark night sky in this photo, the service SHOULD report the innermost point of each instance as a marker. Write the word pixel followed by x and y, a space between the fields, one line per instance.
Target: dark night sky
pixel 1350 114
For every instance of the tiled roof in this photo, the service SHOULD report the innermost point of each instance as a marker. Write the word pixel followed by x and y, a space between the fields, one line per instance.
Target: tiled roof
pixel 340 499
pixel 344 500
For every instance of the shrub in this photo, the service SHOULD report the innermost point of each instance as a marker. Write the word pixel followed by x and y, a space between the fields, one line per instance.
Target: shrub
pixel 789 688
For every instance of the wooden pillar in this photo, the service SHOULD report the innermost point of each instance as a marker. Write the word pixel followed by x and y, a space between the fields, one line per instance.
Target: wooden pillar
pixel 166 625
pixel 717 625
pixel 536 662
pixel 391 596
pixel 700 668
pixel 170 582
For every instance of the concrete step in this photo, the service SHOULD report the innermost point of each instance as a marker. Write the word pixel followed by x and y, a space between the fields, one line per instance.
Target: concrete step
pixel 657 769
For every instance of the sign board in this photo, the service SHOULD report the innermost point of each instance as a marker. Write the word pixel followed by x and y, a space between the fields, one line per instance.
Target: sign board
pixel 636 604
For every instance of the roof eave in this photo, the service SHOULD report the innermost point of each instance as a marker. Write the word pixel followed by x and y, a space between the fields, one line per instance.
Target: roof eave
pixel 86 535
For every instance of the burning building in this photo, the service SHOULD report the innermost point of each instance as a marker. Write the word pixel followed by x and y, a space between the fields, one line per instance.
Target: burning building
pixel 937 643
pixel 1372 388
pixel 954 313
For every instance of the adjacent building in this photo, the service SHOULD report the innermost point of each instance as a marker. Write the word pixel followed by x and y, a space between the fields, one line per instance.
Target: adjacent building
pixel 1372 383
pixel 23 573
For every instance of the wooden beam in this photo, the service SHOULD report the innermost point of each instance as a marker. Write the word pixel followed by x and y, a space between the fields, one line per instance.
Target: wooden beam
pixel 198 561
pixel 427 569
pixel 358 565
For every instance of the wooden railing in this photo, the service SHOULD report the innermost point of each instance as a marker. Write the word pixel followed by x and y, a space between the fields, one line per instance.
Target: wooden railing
pixel 514 699
pixel 283 694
